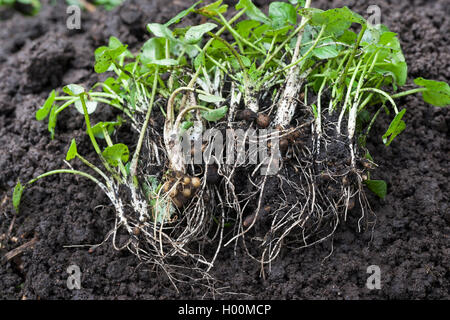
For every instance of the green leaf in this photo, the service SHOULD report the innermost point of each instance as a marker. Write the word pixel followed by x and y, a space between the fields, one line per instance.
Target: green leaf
pixel 73 89
pixel 244 28
pixel 160 31
pixel 97 130
pixel 72 153
pixel 116 47
pixel 116 154
pixel 438 93
pixel 395 128
pixel 42 113
pixel 152 50
pixel 102 61
pixel 281 14
pixel 398 71
pixel 326 52
pixel 336 20
pixel 182 14
pixel 112 84
pixel 195 34
pixel 216 114
pixel 245 61
pixel 105 56
pixel 213 9
pixel 210 98
pixel 348 37
pixel 17 195
pixel 91 106
pixel 379 187
pixel 252 11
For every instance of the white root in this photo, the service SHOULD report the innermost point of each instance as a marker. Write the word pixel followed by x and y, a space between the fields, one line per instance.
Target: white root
pixel 235 99
pixel 251 101
pixel 286 105
pixel 351 129
pixel 174 148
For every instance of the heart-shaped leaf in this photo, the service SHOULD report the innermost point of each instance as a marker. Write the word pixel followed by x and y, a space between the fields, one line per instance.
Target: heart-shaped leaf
pixel 336 20
pixel 116 154
pixel 438 93
pixel 73 89
pixel 282 14
pixel 160 31
pixel 91 106
pixel 213 9
pixel 152 50
pixel 252 11
pixel 325 51
pixel 105 56
pixel 97 130
pixel 195 34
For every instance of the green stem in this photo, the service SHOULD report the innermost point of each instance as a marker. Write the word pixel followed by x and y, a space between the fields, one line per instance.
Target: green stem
pixel 88 125
pixel 405 93
pixel 299 28
pixel 384 94
pixel 111 96
pixel 238 57
pixel 91 134
pixel 237 36
pixel 80 173
pixel 118 66
pixel 373 120
pixel 93 167
pixel 170 114
pixel 299 60
pixel 65 105
pixel 349 62
pixel 107 137
pixel 369 97
pixel 186 110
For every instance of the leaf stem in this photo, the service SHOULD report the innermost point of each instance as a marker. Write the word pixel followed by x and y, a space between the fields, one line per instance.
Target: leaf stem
pixel 352 56
pixel 384 94
pixel 405 93
pixel 80 173
pixel 93 167
pixel 91 134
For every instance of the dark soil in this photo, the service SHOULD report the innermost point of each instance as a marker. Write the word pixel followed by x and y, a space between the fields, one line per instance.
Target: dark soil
pixel 409 241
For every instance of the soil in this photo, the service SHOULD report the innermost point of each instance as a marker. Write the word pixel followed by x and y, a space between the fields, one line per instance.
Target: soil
pixel 409 241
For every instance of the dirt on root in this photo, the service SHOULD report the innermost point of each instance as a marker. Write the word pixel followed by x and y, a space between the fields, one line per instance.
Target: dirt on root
pixel 409 241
